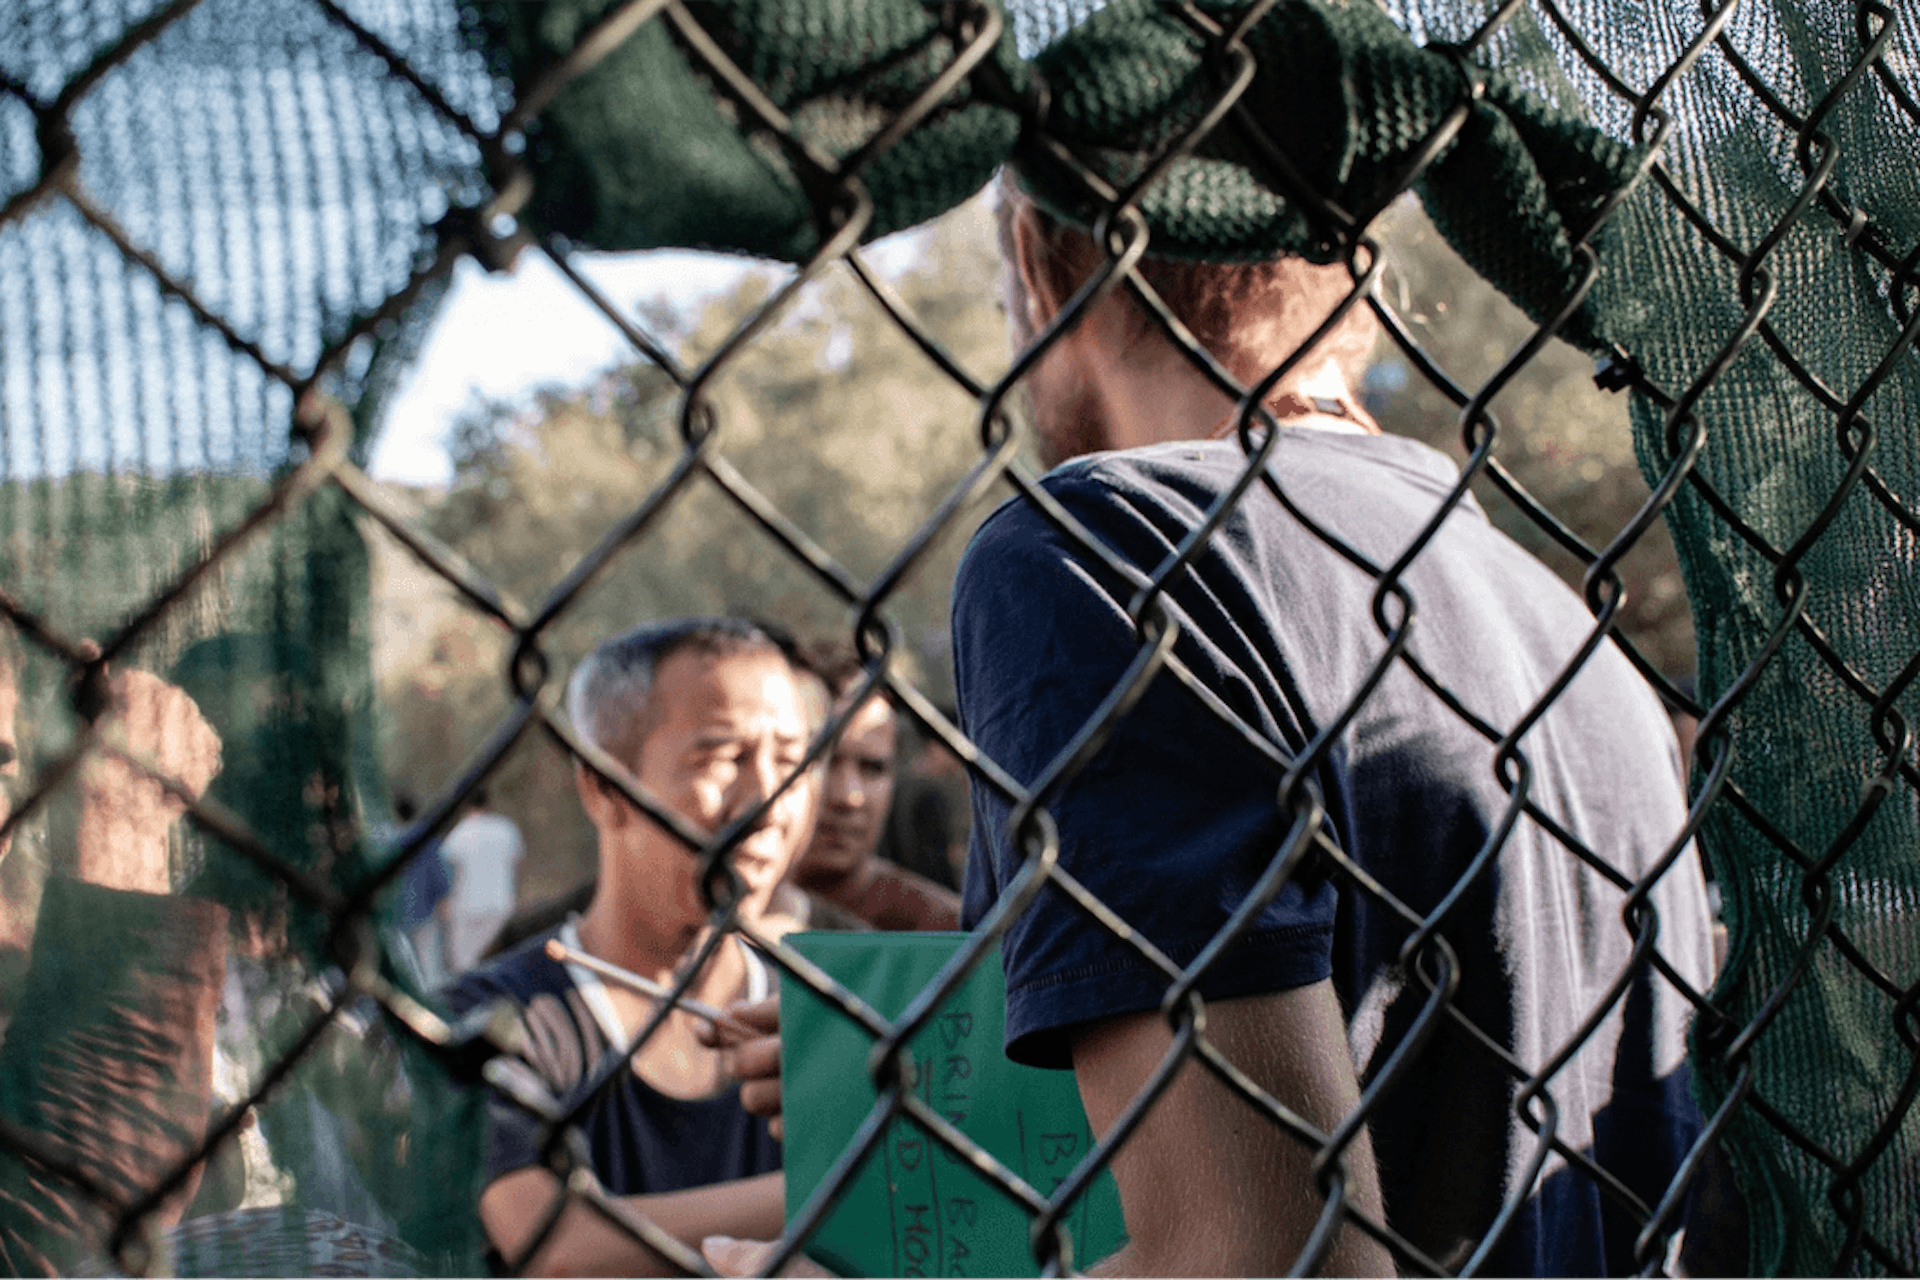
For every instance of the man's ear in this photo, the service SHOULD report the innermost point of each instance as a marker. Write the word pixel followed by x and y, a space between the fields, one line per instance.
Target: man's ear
pixel 605 806
pixel 1036 299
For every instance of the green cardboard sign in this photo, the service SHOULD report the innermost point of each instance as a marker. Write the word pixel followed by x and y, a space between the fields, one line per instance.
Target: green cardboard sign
pixel 912 1207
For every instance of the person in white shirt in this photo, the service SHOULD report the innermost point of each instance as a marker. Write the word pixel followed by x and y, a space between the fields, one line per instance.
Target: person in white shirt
pixel 483 852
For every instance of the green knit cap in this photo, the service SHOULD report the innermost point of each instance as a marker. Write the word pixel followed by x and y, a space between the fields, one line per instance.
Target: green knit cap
pixel 646 150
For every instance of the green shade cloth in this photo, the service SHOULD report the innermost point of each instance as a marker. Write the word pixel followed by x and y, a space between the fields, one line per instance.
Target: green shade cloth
pixel 259 156
pixel 644 151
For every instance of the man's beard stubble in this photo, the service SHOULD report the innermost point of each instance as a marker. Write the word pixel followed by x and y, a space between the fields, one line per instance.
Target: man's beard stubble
pixel 1067 425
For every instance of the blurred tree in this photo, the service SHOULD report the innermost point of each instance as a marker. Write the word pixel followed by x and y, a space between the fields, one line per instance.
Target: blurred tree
pixel 853 434
pixel 831 414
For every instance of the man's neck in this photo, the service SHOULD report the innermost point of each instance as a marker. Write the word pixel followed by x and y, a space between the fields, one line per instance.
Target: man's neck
pixel 839 883
pixel 613 931
pixel 1159 402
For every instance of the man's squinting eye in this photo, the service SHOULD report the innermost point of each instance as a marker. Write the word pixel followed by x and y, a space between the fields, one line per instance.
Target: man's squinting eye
pixel 718 756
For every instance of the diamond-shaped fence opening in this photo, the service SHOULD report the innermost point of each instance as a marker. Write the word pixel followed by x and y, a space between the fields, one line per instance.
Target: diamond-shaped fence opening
pixel 224 231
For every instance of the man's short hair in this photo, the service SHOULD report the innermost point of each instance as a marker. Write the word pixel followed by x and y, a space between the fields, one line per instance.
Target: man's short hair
pixel 835 662
pixel 1215 300
pixel 609 693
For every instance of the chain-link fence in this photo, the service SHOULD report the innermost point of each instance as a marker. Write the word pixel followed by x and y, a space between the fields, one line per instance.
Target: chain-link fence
pixel 224 225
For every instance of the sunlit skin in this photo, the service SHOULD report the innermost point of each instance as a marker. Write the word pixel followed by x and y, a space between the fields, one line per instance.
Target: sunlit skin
pixel 855 799
pixel 1100 386
pixel 125 813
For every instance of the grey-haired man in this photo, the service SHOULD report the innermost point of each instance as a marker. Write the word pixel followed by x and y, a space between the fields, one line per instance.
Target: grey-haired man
pixel 712 719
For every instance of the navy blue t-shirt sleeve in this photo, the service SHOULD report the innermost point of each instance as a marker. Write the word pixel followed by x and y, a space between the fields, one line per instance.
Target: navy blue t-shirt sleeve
pixel 514 1134
pixel 1170 824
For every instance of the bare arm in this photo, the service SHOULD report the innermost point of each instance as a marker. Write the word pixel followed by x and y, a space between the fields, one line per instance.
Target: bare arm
pixel 1208 1185
pixel 584 1243
pixel 126 814
pixel 109 1052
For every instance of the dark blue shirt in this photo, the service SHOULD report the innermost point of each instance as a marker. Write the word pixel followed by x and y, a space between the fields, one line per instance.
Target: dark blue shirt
pixel 641 1140
pixel 423 886
pixel 1177 817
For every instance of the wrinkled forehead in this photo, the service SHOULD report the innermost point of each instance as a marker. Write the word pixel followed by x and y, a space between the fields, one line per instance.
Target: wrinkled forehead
pixel 743 691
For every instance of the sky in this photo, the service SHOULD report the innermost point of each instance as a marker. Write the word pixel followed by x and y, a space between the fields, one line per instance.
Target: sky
pixel 501 336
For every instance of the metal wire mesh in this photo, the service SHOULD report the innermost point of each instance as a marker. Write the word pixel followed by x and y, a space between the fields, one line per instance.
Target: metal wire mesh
pixel 121 233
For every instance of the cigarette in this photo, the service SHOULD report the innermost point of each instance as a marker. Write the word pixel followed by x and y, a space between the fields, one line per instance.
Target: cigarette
pixel 565 954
